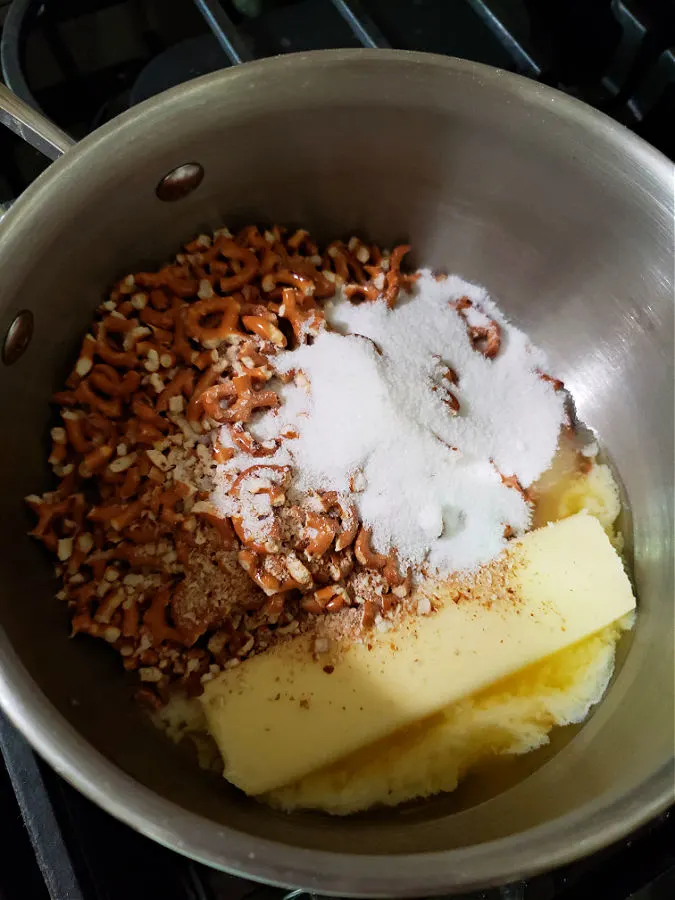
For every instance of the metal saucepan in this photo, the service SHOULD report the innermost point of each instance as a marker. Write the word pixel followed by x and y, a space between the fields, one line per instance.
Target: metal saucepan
pixel 565 216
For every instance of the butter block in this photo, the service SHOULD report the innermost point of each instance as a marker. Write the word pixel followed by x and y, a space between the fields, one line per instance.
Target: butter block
pixel 286 713
pixel 510 717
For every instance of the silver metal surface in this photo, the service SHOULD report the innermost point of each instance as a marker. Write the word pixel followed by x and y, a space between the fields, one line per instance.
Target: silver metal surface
pixel 5 207
pixel 32 126
pixel 180 182
pixel 567 219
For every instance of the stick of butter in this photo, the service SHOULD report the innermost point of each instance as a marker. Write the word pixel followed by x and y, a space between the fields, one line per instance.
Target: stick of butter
pixel 287 712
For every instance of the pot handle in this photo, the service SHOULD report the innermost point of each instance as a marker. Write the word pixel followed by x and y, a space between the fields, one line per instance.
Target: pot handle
pixel 32 126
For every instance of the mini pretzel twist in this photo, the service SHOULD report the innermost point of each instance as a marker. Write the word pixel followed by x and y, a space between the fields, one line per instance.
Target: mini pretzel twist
pixel 227 308
pixel 181 385
pixel 321 531
pixel 364 552
pixel 368 292
pixel 330 599
pixel 245 442
pixel 120 359
pixel 555 383
pixel 176 279
pixel 107 380
pixel 300 240
pixel 269 480
pixel 157 319
pixel 265 329
pixel 109 407
pixel 347 266
pixel 205 382
pixel 383 280
pixel 73 422
pixel 253 363
pixel 511 481
pixel 155 622
pixel 400 584
pixel 223 526
pixel 448 397
pixel 59 451
pixel 85 360
pixel 394 280
pixel 171 355
pixel 486 338
pixel 349 520
pixel 245 400
pixel 229 250
pixel 305 318
pixel 254 565
pixel 94 460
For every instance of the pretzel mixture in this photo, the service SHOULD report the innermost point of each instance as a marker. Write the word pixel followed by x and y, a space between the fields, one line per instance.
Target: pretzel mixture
pixel 146 562
pixel 182 537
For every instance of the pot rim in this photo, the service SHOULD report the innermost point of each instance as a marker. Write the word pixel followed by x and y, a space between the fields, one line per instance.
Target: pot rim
pixel 576 834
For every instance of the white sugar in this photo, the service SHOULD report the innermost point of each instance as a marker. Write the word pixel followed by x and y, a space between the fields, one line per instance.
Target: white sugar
pixel 430 483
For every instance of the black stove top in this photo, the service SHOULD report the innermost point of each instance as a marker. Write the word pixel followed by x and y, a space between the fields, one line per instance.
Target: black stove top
pixel 56 845
pixel 85 61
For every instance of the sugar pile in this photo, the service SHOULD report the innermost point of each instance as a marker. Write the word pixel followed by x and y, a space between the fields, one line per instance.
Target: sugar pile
pixel 376 418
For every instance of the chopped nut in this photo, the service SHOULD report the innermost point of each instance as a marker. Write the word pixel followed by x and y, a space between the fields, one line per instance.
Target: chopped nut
pixel 424 606
pixel 158 459
pixel 358 482
pixel 133 580
pixel 152 361
pixel 297 569
pixel 144 527
pixel 150 674
pixel 205 290
pixel 65 549
pixel 85 542
pixel 122 463
pixel 155 380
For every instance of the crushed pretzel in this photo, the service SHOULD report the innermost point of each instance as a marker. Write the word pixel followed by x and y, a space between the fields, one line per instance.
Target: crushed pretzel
pixel 147 563
pixel 485 337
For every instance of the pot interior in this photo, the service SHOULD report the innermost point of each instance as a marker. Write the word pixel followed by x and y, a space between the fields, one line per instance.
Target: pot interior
pixel 564 220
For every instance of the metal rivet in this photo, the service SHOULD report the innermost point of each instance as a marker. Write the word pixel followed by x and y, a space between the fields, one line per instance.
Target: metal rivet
pixel 18 337
pixel 180 182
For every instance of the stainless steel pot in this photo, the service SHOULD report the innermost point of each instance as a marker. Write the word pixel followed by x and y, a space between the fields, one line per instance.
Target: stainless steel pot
pixel 566 217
